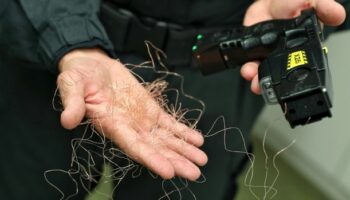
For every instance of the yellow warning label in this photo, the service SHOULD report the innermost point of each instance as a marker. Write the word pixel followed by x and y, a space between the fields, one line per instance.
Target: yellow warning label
pixel 296 59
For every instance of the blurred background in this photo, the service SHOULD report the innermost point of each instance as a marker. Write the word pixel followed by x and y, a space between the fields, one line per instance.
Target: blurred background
pixel 317 166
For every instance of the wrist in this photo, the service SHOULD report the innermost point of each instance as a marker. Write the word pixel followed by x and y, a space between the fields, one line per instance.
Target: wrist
pixel 90 53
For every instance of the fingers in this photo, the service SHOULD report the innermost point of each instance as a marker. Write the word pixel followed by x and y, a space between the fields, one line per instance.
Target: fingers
pixel 330 12
pixel 183 167
pixel 183 148
pixel 249 70
pixel 139 149
pixel 71 90
pixel 255 87
pixel 191 136
pixel 153 154
pixel 153 160
pixel 257 12
pixel 288 9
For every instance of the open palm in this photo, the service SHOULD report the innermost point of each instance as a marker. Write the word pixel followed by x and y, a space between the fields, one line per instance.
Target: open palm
pixel 93 85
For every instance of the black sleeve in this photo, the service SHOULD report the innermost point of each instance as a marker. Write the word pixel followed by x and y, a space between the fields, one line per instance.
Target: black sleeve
pixel 51 28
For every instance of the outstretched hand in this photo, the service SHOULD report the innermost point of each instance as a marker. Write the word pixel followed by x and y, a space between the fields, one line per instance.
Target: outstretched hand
pixel 95 86
pixel 329 12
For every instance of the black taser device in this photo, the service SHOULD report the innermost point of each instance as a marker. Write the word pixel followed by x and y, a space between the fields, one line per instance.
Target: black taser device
pixel 294 67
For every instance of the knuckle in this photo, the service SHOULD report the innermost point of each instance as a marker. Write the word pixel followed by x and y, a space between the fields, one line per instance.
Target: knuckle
pixel 69 78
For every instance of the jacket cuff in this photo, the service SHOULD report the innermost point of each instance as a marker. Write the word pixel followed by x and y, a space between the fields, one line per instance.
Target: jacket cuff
pixel 71 32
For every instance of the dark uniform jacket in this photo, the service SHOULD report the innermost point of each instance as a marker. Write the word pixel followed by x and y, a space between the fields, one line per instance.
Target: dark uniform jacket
pixel 35 34
pixel 48 29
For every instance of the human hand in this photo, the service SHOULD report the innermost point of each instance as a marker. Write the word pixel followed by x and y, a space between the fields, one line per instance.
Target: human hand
pixel 329 12
pixel 95 86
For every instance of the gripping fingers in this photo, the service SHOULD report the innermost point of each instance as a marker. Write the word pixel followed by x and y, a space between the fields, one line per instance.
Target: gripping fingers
pixel 255 88
pixel 249 70
pixel 330 12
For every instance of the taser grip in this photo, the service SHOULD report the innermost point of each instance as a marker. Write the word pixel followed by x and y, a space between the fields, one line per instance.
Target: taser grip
pixel 294 67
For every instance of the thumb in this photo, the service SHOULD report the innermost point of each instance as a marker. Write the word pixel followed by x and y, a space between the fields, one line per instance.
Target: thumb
pixel 71 87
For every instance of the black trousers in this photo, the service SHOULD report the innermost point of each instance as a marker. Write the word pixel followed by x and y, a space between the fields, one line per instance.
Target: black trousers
pixel 33 141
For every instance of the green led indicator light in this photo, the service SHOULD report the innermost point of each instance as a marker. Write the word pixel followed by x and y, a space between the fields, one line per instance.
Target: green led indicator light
pixel 195 47
pixel 199 36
